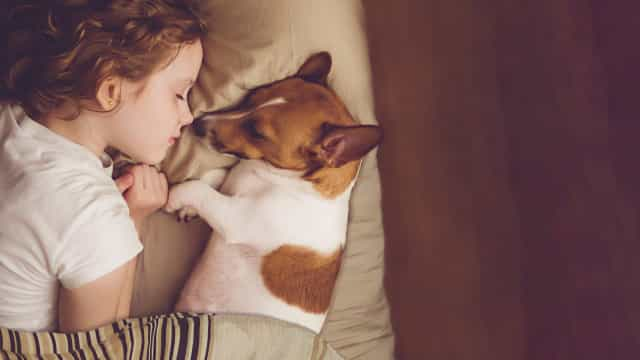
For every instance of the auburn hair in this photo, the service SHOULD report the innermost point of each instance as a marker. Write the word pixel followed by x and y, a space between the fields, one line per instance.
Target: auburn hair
pixel 59 51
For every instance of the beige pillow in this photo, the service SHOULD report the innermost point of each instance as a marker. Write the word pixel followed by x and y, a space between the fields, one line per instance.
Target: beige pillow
pixel 254 42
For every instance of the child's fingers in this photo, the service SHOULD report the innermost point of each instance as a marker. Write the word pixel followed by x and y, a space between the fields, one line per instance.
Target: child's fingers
pixel 156 185
pixel 150 187
pixel 165 184
pixel 155 179
pixel 124 182
pixel 147 177
pixel 138 175
pixel 163 189
pixel 161 184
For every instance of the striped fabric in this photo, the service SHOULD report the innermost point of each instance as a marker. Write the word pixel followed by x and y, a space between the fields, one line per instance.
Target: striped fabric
pixel 173 336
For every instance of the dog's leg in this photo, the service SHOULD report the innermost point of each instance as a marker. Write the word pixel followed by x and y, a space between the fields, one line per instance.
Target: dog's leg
pixel 238 219
pixel 214 178
pixel 213 207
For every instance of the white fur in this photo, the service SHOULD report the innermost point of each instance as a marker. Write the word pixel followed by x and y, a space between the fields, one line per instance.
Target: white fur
pixel 258 209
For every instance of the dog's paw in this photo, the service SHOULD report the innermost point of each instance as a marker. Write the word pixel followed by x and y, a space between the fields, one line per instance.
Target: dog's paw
pixel 187 214
pixel 172 204
pixel 184 198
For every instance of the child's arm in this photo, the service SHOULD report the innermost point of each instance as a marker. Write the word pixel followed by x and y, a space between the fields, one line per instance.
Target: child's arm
pixel 97 303
pixel 108 298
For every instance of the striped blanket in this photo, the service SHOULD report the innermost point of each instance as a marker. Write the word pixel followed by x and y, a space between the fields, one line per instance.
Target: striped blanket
pixel 173 336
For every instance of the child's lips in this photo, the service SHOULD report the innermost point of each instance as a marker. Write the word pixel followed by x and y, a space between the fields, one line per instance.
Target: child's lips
pixel 174 138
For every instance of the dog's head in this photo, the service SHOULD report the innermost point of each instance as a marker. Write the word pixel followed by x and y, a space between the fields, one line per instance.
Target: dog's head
pixel 297 123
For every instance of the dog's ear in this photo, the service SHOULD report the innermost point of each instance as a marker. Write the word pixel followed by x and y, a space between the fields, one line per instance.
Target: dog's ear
pixel 341 144
pixel 316 68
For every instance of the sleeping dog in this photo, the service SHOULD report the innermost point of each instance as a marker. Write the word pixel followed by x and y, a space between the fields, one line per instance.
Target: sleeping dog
pixel 280 217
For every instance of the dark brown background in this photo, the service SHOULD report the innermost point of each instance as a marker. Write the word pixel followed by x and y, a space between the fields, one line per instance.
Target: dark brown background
pixel 509 174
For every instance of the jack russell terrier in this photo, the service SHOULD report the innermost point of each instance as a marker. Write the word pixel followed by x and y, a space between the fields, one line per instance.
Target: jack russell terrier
pixel 280 217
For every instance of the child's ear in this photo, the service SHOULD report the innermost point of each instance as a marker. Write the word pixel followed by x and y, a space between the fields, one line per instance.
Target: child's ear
pixel 342 144
pixel 108 95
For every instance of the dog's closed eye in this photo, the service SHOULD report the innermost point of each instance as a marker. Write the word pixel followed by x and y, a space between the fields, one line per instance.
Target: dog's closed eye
pixel 250 126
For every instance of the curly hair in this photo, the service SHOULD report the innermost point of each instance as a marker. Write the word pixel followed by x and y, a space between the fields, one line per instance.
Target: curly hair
pixel 60 51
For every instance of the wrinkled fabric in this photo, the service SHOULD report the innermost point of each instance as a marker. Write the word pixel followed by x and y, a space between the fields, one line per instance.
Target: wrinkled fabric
pixel 173 336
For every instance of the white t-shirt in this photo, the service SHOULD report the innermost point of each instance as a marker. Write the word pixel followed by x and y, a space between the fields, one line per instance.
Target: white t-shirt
pixel 62 220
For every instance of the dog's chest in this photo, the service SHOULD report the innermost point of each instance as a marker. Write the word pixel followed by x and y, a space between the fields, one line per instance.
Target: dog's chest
pixel 243 180
pixel 285 210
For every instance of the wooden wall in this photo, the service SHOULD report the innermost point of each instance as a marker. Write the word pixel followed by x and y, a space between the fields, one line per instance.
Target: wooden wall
pixel 511 188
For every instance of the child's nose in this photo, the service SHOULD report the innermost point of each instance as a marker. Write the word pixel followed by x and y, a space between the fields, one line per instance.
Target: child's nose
pixel 187 118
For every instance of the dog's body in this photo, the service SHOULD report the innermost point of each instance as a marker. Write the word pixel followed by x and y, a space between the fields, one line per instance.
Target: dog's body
pixel 280 216
pixel 271 216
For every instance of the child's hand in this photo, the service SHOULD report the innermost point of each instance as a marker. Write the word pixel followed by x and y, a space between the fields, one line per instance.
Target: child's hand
pixel 144 189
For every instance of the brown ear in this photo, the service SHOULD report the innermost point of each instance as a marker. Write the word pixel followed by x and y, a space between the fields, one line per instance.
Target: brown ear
pixel 342 144
pixel 316 68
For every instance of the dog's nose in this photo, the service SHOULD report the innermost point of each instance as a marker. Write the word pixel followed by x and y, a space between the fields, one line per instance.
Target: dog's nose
pixel 199 127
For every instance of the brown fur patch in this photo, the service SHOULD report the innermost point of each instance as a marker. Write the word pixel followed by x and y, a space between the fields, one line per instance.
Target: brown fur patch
pixel 301 277
pixel 331 182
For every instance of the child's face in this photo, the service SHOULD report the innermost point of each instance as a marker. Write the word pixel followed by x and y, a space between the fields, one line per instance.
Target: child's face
pixel 150 117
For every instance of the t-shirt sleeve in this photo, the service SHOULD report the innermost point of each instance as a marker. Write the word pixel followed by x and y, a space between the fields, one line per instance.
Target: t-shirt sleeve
pixel 98 245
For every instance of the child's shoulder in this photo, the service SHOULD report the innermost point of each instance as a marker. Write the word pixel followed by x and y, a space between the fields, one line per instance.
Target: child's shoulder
pixel 32 151
pixel 57 186
pixel 43 170
pixel 52 184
